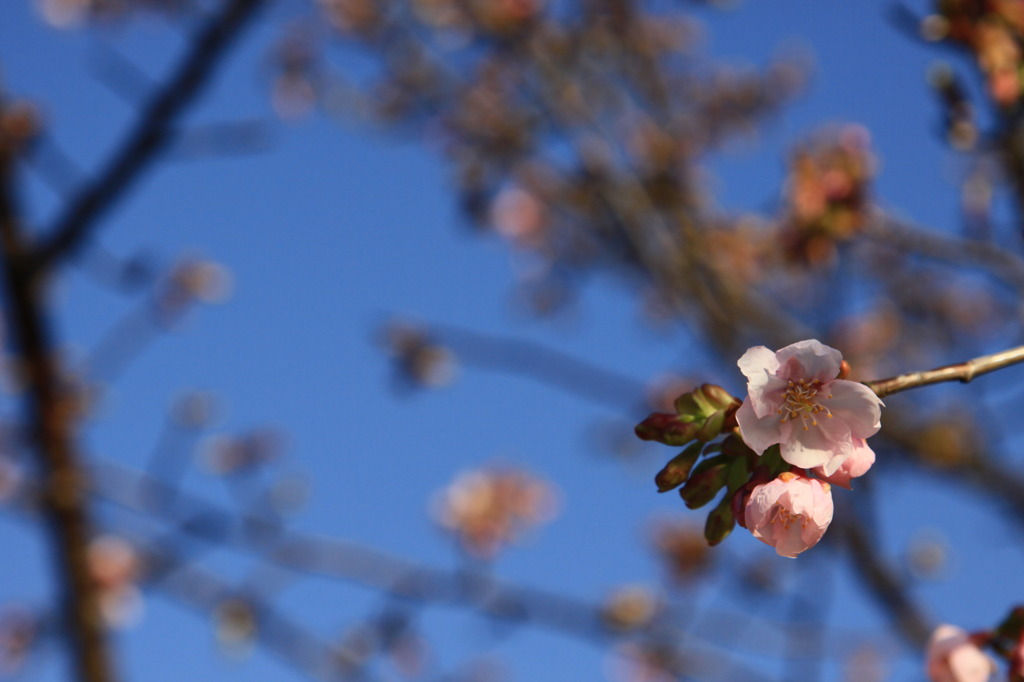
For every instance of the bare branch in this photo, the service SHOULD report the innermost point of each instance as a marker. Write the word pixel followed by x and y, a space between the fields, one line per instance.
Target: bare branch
pixel 50 416
pixel 962 372
pixel 153 134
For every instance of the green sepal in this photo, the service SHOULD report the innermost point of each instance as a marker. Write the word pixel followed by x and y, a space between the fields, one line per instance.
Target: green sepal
pixel 734 446
pixel 706 479
pixel 719 398
pixel 739 474
pixel 712 426
pixel 688 408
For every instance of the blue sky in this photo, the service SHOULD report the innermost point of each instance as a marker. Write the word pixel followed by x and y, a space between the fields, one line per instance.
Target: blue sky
pixel 338 226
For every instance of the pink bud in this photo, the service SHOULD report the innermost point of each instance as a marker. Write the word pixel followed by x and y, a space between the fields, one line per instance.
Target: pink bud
pixel 856 464
pixel 952 657
pixel 790 513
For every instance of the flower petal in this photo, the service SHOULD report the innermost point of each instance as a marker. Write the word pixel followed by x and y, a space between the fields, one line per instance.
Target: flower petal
pixel 814 360
pixel 818 445
pixel 856 464
pixel 857 406
pixel 760 365
pixel 758 433
pixel 756 363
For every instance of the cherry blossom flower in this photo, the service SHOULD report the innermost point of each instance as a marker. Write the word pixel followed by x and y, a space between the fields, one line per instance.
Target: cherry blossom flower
pixel 855 465
pixel 790 513
pixel 486 509
pixel 795 400
pixel 952 657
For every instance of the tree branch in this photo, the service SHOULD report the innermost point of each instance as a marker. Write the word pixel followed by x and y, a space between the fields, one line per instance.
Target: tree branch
pixel 962 372
pixel 153 133
pixel 50 420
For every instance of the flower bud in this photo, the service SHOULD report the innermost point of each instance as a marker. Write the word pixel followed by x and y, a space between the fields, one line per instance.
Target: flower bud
pixel 665 428
pixel 707 479
pixel 712 426
pixel 678 468
pixel 719 398
pixel 720 522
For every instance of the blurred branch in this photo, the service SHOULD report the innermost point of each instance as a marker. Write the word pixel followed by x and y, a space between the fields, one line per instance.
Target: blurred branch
pixel 208 594
pixel 153 133
pixel 547 365
pixel 1001 263
pixel 962 372
pixel 51 412
pixel 391 575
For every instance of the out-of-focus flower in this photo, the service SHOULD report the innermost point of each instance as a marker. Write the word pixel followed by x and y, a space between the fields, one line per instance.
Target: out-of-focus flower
pixel 506 16
pixel 64 13
pixel 827 192
pixel 236 625
pixel 20 123
pixel 73 13
pixel 11 479
pixel 199 279
pixel 790 513
pixel 487 509
pixel 928 556
pixel 225 455
pixel 630 607
pixel 795 400
pixel 683 550
pixel 19 631
pixel 420 360
pixel 858 462
pixel 953 657
pixel 358 17
pixel 519 216
pixel 115 566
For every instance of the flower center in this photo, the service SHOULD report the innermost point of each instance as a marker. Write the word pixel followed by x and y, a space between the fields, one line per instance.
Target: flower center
pixel 800 401
pixel 781 516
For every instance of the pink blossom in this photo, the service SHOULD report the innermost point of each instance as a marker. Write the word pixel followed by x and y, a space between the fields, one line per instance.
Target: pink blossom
pixel 856 464
pixel 795 400
pixel 952 657
pixel 790 513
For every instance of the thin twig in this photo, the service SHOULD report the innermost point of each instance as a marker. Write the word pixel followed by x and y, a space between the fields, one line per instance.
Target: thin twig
pixel 962 372
pixel 153 134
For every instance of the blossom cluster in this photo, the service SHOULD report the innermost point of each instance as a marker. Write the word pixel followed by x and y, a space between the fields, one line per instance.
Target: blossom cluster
pixel 827 194
pixel 820 422
pixel 801 429
pixel 992 31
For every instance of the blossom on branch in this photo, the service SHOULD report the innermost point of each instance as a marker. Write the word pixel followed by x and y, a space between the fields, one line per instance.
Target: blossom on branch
pixel 795 400
pixel 790 513
pixel 953 657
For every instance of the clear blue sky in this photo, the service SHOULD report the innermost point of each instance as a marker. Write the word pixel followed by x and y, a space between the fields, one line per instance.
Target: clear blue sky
pixel 338 226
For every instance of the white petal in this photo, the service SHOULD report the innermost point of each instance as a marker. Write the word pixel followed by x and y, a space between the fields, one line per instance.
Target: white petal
pixel 818 445
pixel 758 433
pixel 816 360
pixel 856 405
